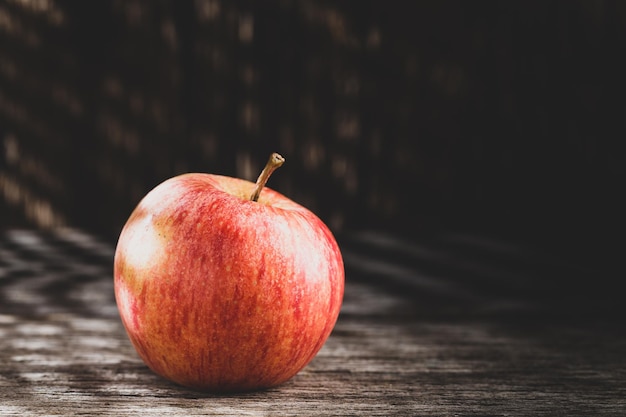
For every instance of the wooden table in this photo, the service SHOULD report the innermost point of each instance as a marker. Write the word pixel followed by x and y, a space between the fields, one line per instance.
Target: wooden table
pixel 451 325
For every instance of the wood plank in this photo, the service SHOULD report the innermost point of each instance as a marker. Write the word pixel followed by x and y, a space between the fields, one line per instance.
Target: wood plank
pixel 63 351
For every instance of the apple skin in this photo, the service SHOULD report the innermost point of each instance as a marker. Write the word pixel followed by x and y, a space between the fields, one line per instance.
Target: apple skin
pixel 220 293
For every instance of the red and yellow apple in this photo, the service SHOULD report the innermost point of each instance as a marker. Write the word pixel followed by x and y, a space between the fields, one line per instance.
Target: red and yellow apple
pixel 224 285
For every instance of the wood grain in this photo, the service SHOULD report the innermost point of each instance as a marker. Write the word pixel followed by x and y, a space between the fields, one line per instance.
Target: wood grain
pixel 408 341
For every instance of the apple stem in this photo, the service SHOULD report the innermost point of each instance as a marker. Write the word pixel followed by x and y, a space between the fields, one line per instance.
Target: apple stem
pixel 274 162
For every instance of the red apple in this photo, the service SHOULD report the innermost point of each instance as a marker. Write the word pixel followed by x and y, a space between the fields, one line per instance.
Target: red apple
pixel 220 292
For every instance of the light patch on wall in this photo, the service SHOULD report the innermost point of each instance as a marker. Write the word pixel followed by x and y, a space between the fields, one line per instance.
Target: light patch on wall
pixel 246 28
pixel 348 126
pixel 62 95
pixel 245 167
pixel 47 8
pixel 313 154
pixel 20 114
pixel 250 117
pixel 30 167
pixel 168 31
pixel 36 209
pixel 374 38
pixel 344 169
pixel 118 134
pixel 208 10
pixel 11 149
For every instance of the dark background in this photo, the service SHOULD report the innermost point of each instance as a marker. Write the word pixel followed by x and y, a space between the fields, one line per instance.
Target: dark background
pixel 411 117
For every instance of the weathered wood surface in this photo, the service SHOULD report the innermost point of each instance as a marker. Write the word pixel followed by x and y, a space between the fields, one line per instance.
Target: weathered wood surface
pixel 452 327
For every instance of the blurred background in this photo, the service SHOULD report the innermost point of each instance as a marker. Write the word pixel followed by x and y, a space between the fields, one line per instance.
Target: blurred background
pixel 501 118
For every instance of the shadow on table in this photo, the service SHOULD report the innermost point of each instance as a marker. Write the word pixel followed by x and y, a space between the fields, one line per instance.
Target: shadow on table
pixel 62 272
pixel 471 275
pixel 444 275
